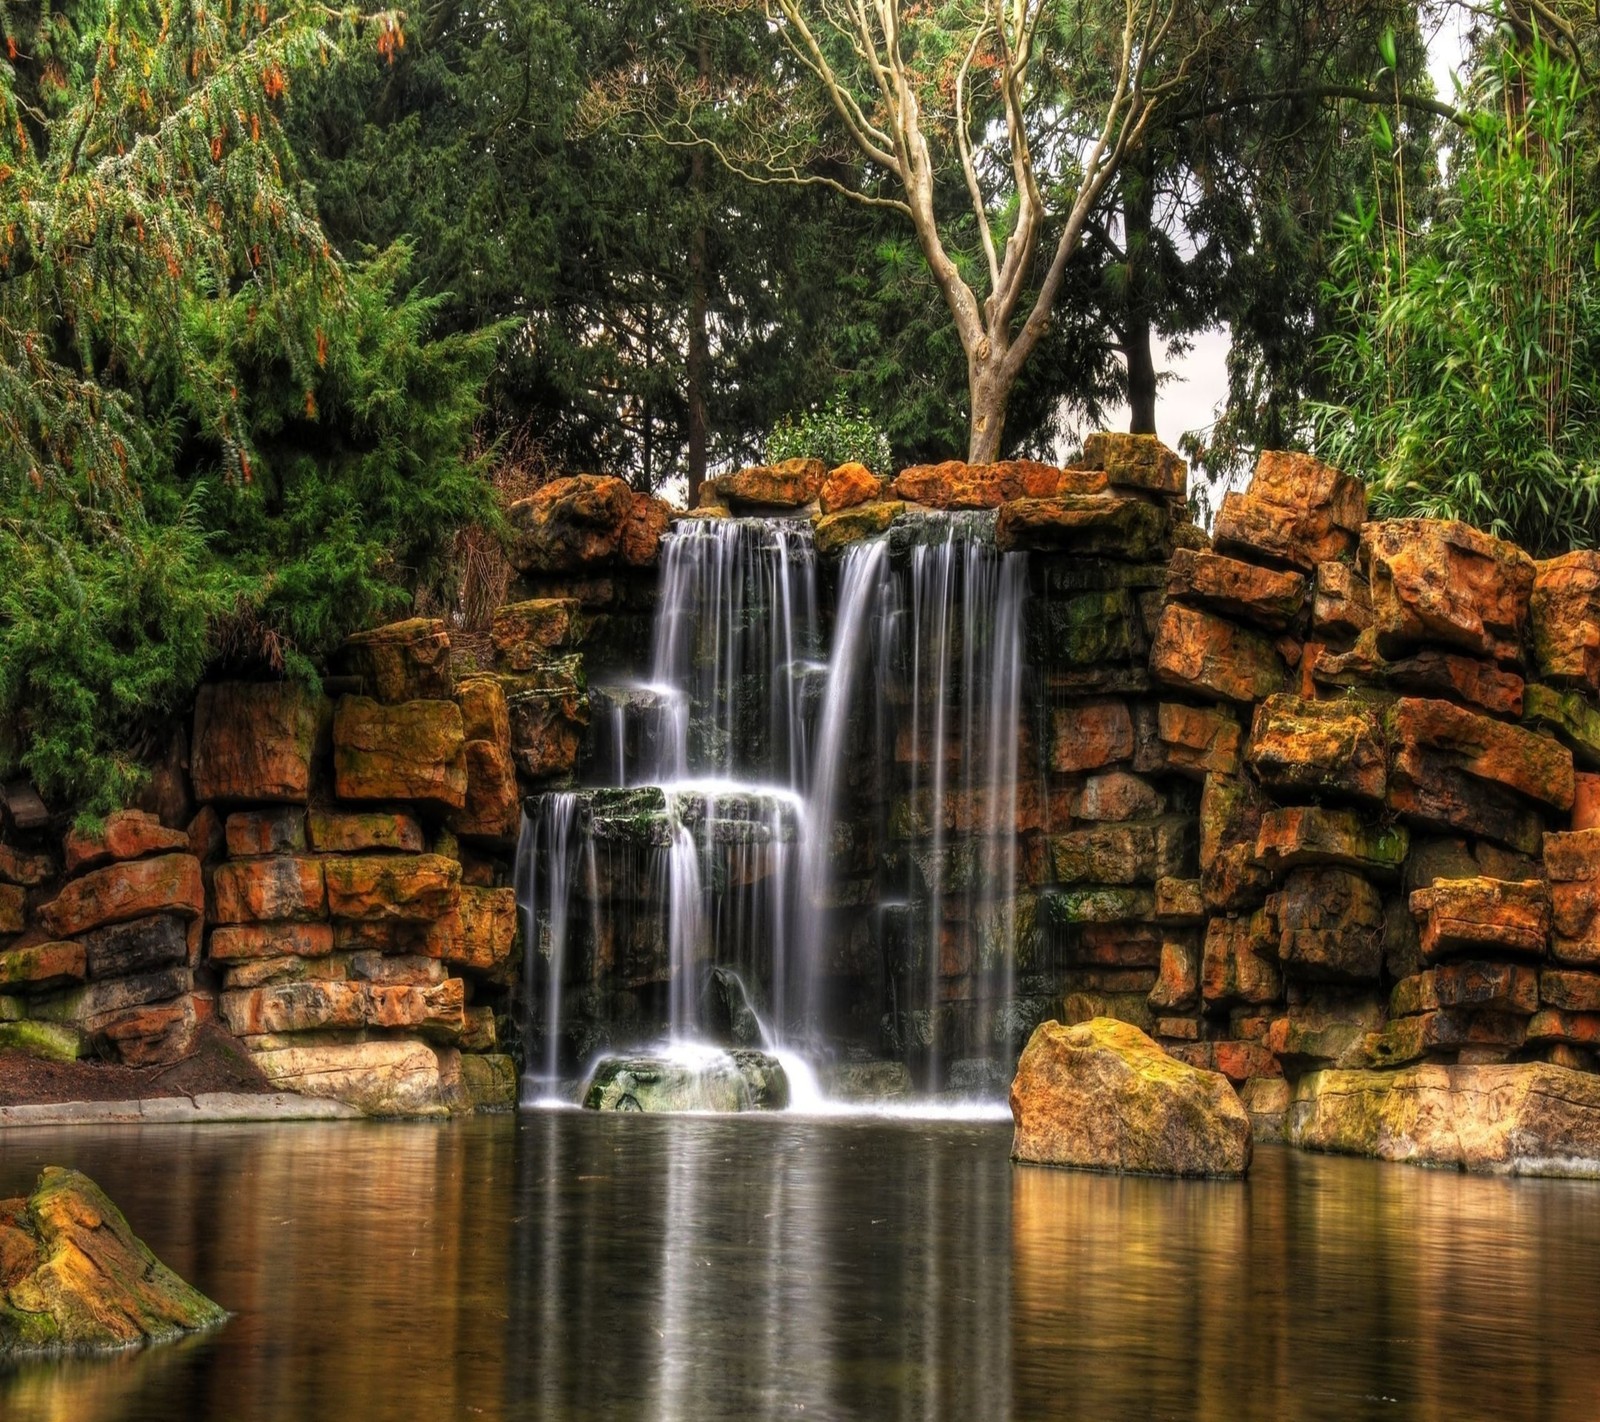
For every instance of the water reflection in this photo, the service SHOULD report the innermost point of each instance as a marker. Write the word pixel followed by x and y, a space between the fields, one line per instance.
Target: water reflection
pixel 563 1265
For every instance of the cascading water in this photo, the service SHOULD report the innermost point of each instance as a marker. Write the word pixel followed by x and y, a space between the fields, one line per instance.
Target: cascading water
pixel 742 825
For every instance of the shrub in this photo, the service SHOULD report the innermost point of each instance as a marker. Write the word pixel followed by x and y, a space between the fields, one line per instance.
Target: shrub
pixel 836 434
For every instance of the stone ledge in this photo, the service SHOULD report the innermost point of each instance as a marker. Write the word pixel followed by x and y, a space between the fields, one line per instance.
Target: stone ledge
pixel 202 1108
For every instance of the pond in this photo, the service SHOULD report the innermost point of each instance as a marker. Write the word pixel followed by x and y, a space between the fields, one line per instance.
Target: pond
pixel 568 1265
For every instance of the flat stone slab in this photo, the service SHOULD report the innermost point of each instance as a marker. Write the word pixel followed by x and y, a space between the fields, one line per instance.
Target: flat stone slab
pixel 206 1106
pixel 1526 1118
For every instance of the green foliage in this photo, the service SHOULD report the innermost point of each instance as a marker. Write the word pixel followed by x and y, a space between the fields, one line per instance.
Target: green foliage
pixel 220 445
pixel 836 434
pixel 1467 377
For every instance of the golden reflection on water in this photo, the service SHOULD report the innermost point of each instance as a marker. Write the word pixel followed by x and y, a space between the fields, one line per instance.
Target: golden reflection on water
pixel 565 1266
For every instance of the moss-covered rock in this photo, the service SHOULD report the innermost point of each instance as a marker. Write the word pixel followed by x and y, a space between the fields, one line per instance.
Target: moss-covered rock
pixel 74 1277
pixel 699 1079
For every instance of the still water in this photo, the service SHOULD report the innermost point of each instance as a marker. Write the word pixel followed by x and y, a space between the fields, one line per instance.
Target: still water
pixel 567 1265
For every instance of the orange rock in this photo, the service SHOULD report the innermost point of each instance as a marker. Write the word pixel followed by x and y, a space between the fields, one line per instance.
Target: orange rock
pixel 549 714
pixel 847 486
pixel 255 741
pixel 789 484
pixel 1435 673
pixel 1263 596
pixel 42 965
pixel 414 751
pixel 1467 915
pixel 13 909
pixel 19 866
pixel 321 1006
pixel 247 941
pixel 1117 795
pixel 1586 801
pixel 570 524
pixel 155 1034
pixel 647 521
pixel 1177 986
pixel 123 891
pixel 1233 966
pixel 955 484
pixel 1199 740
pixel 1564 612
pixel 1197 652
pixel 1330 925
pixel 1568 990
pixel 524 633
pixel 1296 511
pixel 1319 747
pixel 206 835
pixel 1244 1061
pixel 493 809
pixel 1437 582
pixel 124 834
pixel 481 934
pixel 405 661
pixel 482 699
pixel 282 887
pixel 1090 734
pixel 1129 529
pixel 1579 1029
pixel 1342 607
pixel 407 888
pixel 351 832
pixel 253 832
pixel 1134 461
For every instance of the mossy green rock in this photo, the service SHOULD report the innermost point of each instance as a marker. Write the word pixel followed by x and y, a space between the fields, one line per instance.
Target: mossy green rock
pixel 835 532
pixel 490 1081
pixel 75 1278
pixel 1102 1096
pixel 49 1041
pixel 691 1080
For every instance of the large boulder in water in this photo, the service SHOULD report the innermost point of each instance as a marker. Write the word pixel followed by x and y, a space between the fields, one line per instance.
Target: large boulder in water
pixel 1521 1118
pixel 1102 1096
pixel 74 1277
pixel 689 1079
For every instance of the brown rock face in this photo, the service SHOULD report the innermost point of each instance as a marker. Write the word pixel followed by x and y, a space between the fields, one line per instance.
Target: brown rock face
pixel 1297 511
pixel 1197 652
pixel 41 965
pixel 281 887
pixel 1456 769
pixel 1233 967
pixel 1330 926
pixel 1263 596
pixel 404 661
pixel 1103 1096
pixel 1091 734
pixel 1443 674
pixel 790 484
pixel 406 888
pixel 493 808
pixel 321 1006
pixel 1198 740
pixel 1231 810
pixel 549 713
pixel 1123 853
pixel 137 947
pixel 340 833
pixel 73 1276
pixel 1473 915
pixel 20 866
pixel 1117 795
pixel 1313 834
pixel 1342 607
pixel 1177 986
pixel 1095 525
pixel 1435 582
pixel 1133 461
pixel 957 485
pixel 13 908
pixel 1319 747
pixel 255 741
pixel 847 486
pixel 125 834
pixel 252 832
pixel 583 522
pixel 125 891
pixel 1565 619
pixel 154 1034
pixel 251 941
pixel 525 633
pixel 414 751
pixel 482 933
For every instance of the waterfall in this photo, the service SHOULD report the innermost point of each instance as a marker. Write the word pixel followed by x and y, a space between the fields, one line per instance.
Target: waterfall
pixel 547 839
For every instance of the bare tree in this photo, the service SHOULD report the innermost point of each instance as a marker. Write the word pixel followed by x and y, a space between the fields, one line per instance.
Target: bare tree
pixel 1035 104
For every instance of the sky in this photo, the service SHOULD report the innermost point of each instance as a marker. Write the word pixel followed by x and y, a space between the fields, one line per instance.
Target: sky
pixel 1189 400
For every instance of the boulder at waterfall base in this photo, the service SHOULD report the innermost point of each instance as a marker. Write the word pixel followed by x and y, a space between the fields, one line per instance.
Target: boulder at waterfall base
pixel 1102 1096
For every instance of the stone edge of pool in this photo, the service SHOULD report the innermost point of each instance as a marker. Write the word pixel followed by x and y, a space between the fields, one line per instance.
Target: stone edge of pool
pixel 203 1107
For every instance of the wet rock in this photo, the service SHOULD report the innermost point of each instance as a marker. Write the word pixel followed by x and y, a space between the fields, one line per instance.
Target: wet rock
pixel 412 751
pixel 1318 747
pixel 1137 461
pixel 482 933
pixel 25 867
pixel 583 522
pixel 1236 964
pixel 249 941
pixel 549 714
pixel 1330 926
pixel 1199 740
pixel 1457 678
pixel 526 633
pixel 388 1077
pixel 1225 585
pixel 866 1081
pixel 1567 990
pixel 1529 1118
pixel 124 834
pixel 1179 901
pixel 402 887
pixel 1341 609
pixel 489 1082
pixel 255 832
pixel 689 1079
pixel 1297 511
pixel 1474 915
pixel 1136 852
pixel 281 887
pixel 1093 525
pixel 1468 982
pixel 37 966
pixel 1567 716
pixel 1231 809
pixel 1436 582
pixel 1197 652
pixel 1102 1096
pixel 1117 795
pixel 1290 838
pixel 255 741
pixel 75 1278
pixel 834 532
pixel 47 1042
pixel 847 487
pixel 1088 735
pixel 338 832
pixel 1067 908
pixel 134 889
pixel 136 947
pixel 404 661
pixel 1564 615
pixel 13 909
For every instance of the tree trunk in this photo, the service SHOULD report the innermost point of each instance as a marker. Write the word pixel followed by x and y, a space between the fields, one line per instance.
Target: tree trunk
pixel 699 356
pixel 1136 332
pixel 989 391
